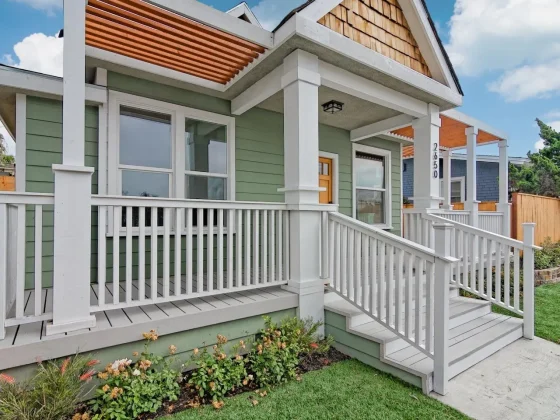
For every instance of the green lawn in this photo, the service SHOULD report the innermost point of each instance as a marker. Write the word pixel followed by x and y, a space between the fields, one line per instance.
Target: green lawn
pixel 547 312
pixel 347 389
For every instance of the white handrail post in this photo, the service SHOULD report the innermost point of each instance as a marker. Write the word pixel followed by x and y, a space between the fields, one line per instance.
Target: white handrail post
pixel 72 192
pixel 441 307
pixel 3 268
pixel 528 281
pixel 471 204
pixel 503 205
pixel 300 83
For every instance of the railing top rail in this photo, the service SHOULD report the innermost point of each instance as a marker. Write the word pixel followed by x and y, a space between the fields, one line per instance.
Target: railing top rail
pixel 98 200
pixel 394 240
pixel 490 213
pixel 481 232
pixel 26 198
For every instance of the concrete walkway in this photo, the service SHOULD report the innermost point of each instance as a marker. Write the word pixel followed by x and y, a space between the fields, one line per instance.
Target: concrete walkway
pixel 521 381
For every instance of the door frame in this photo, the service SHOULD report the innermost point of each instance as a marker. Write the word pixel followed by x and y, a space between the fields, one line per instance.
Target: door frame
pixel 334 158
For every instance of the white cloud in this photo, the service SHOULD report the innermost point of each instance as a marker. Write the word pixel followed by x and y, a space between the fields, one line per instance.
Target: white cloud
pixel 40 53
pixel 530 81
pixel 271 12
pixel 553 114
pixel 511 37
pixel 10 144
pixel 554 124
pixel 47 5
pixel 539 145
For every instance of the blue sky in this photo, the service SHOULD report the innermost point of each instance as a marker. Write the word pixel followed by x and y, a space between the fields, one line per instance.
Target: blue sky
pixel 507 53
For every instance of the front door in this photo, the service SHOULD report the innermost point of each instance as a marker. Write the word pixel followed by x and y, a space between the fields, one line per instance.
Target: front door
pixel 326 180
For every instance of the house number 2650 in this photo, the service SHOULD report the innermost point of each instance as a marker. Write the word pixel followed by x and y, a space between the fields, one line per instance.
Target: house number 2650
pixel 435 161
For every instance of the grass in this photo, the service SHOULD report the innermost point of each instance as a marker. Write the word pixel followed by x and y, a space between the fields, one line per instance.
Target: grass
pixel 347 389
pixel 547 315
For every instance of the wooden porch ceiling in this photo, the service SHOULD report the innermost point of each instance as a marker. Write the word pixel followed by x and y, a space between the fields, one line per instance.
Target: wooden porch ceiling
pixel 452 135
pixel 140 30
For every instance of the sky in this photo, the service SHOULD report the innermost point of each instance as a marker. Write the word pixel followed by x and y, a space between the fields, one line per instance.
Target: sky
pixel 506 53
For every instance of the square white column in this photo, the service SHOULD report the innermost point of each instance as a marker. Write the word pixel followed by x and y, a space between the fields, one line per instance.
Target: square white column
pixel 471 204
pixel 301 82
pixel 72 191
pixel 503 203
pixel 426 160
pixel 446 168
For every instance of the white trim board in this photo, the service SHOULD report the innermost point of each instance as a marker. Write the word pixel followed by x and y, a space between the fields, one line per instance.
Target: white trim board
pixel 207 15
pixel 473 122
pixel 381 127
pixel 45 86
pixel 388 184
pixel 460 179
pixel 335 171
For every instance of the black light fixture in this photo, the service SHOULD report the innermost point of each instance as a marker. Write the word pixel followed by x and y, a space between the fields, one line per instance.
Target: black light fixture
pixel 332 107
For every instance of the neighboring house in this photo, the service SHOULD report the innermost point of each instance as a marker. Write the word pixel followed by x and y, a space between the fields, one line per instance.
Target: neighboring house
pixel 206 172
pixel 487 177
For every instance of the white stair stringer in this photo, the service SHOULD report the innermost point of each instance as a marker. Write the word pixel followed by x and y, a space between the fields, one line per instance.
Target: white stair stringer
pixel 475 333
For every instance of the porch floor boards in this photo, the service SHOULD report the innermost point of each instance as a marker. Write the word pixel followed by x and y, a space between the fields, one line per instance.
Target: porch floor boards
pixel 119 326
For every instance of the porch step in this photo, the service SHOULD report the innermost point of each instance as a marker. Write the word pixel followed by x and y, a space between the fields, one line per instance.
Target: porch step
pixel 475 334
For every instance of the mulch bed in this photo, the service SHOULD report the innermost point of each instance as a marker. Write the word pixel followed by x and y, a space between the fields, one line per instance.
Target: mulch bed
pixel 190 399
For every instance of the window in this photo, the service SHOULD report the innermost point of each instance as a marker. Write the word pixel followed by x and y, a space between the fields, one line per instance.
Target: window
pixel 372 185
pixel 157 149
pixel 457 189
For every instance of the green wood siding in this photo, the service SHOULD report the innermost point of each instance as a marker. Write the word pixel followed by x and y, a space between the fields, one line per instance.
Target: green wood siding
pixel 259 161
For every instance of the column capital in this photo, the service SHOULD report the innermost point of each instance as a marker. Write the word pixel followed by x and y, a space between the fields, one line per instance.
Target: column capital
pixel 502 144
pixel 470 131
pixel 301 66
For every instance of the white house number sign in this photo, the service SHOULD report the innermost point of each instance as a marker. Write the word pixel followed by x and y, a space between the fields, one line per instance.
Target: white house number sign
pixel 435 161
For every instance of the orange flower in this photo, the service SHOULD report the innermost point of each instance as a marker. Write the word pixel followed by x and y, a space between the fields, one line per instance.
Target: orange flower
pixel 314 346
pixel 172 349
pixel 93 363
pixel 106 388
pixel 195 351
pixel 135 354
pixel 7 378
pixel 222 339
pixel 217 404
pixel 64 365
pixel 103 375
pixel 87 376
pixel 145 364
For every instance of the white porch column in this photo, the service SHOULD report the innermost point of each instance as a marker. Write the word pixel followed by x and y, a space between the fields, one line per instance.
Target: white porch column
pixel 471 204
pixel 446 154
pixel 426 160
pixel 301 82
pixel 503 203
pixel 72 195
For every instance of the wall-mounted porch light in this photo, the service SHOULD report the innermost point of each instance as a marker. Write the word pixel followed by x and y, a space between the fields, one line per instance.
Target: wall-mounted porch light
pixel 332 107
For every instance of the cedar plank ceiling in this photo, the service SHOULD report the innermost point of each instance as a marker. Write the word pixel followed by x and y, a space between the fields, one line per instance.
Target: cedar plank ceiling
pixel 451 135
pixel 379 25
pixel 137 29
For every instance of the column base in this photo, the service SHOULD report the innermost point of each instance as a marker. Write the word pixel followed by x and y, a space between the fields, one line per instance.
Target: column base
pixel 311 301
pixel 431 202
pixel 59 328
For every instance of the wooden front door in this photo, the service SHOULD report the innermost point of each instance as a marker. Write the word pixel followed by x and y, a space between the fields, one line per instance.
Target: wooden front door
pixel 326 180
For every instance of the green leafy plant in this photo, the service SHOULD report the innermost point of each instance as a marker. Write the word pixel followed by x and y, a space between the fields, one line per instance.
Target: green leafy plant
pixel 52 394
pixel 278 348
pixel 548 256
pixel 131 388
pixel 217 373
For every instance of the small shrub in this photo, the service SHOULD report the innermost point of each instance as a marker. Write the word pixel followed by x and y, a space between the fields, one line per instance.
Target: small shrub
pixel 130 388
pixel 549 256
pixel 217 373
pixel 52 394
pixel 277 350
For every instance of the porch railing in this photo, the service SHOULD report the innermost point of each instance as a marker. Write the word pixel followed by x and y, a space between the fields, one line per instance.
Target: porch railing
pixel 493 267
pixel 152 250
pixel 25 248
pixel 400 284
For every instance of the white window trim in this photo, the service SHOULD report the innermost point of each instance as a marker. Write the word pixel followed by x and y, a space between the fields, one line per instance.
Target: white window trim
pixel 178 171
pixel 386 154
pixel 460 179
pixel 334 158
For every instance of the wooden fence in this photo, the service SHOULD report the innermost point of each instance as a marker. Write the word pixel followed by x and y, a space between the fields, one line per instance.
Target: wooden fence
pixel 7 183
pixel 544 211
pixel 483 206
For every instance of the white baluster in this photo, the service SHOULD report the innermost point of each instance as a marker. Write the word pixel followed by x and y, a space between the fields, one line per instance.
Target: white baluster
pixel 101 254
pixel 128 259
pixel 38 259
pixel 256 250
pixel 178 250
pixel 220 250
pixel 210 250
pixel 141 253
pixel 200 250
pixel 154 253
pixel 230 250
pixel 117 217
pixel 189 250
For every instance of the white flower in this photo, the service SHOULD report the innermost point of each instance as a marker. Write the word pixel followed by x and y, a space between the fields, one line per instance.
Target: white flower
pixel 118 363
pixel 136 372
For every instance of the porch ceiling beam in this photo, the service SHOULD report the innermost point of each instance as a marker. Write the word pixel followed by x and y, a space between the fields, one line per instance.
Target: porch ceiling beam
pixel 207 15
pixel 257 93
pixel 360 87
pixel 473 122
pixel 381 127
pixel 46 86
pixel 143 66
